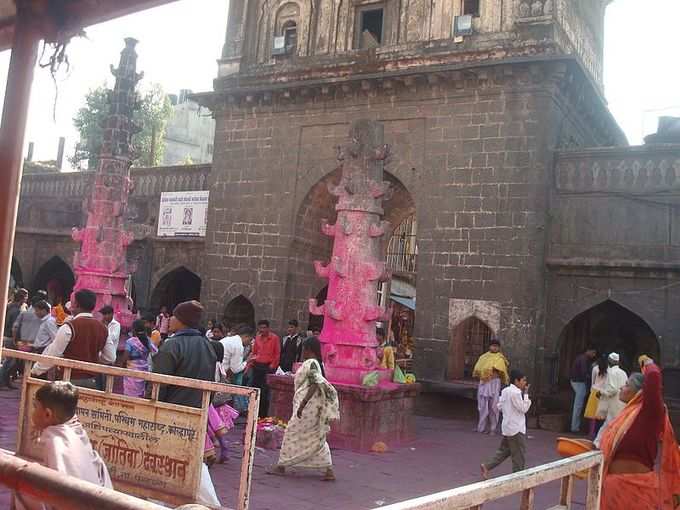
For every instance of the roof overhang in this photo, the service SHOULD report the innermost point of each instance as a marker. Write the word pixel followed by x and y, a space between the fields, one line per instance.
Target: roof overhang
pixel 61 19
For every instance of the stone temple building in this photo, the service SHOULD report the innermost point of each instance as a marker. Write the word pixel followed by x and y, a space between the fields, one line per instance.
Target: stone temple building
pixel 518 209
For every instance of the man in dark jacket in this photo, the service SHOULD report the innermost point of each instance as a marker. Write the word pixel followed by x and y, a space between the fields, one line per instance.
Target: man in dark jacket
pixel 291 346
pixel 187 353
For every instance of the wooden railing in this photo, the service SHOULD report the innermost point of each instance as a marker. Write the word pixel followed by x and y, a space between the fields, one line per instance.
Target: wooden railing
pixel 156 381
pixel 62 491
pixel 474 496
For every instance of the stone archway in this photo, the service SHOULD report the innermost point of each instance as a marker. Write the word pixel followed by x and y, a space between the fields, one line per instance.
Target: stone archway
pixel 57 278
pixel 609 327
pixel 315 322
pixel 176 286
pixel 239 311
pixel 16 276
pixel 309 244
pixel 469 340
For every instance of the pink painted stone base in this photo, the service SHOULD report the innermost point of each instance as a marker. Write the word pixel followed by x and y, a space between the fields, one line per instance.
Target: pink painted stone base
pixel 367 415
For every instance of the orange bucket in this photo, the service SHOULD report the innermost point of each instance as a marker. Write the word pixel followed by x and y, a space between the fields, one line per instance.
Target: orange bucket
pixel 569 447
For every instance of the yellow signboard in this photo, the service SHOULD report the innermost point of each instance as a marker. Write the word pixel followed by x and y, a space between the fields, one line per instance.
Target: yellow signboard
pixel 152 449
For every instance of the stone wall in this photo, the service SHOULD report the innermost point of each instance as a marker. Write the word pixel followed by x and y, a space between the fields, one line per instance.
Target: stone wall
pixel 472 154
pixel 613 236
pixel 52 204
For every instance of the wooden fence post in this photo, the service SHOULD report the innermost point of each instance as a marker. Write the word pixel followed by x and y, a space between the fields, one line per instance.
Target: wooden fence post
pixel 566 492
pixel 594 487
pixel 527 500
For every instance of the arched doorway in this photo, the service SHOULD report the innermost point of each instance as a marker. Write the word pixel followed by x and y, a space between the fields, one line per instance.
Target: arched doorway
pixel 16 277
pixel 239 311
pixel 469 340
pixel 55 277
pixel 310 244
pixel 608 327
pixel 175 287
pixel 316 321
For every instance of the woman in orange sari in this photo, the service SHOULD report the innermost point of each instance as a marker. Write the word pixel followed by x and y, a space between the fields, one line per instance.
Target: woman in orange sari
pixel 630 446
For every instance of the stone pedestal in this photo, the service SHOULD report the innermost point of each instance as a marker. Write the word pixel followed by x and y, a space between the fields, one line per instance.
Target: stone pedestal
pixel 367 415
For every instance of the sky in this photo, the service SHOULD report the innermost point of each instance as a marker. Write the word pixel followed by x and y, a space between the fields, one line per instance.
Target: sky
pixel 180 43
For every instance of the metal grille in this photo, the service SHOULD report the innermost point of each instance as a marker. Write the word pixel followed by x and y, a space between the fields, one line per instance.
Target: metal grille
pixel 402 249
pixel 477 336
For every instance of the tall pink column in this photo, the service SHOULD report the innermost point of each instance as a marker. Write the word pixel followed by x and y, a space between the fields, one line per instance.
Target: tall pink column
pixel 101 264
pixel 357 264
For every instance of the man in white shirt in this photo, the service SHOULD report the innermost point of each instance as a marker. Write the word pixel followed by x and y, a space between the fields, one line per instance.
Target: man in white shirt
pixel 234 362
pixel 113 327
pixel 610 405
pixel 514 404
pixel 48 327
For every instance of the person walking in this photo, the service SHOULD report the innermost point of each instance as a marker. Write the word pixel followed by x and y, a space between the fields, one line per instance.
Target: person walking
pixel 514 404
pixel 264 360
pixel 315 405
pixel 492 370
pixel 138 350
pixel 581 372
pixel 83 339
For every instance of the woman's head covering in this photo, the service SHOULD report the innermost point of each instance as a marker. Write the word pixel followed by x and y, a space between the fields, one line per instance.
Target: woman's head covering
pixel 189 313
pixel 635 381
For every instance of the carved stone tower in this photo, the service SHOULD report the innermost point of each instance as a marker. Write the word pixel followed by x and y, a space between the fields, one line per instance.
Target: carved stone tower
pixel 357 263
pixel 101 264
pixel 473 97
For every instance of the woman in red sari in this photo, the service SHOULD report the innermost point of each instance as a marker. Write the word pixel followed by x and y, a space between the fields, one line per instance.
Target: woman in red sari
pixel 630 445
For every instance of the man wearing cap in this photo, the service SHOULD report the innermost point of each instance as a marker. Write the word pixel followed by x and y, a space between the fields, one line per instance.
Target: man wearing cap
pixel 610 405
pixel 187 353
pixel 491 369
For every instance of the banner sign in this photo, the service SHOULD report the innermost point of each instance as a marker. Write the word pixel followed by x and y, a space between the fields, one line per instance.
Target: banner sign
pixel 183 213
pixel 151 449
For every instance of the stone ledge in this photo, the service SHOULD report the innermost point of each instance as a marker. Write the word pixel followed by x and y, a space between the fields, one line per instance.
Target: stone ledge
pixel 367 415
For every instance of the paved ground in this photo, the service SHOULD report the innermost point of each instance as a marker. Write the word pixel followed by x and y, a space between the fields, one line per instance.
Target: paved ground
pixel 446 454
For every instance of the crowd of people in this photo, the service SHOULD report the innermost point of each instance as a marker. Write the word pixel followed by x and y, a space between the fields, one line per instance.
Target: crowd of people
pixel 174 344
pixel 628 423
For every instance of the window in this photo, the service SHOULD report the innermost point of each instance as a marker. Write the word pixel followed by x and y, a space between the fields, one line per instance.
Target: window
pixel 471 7
pixel 290 36
pixel 371 27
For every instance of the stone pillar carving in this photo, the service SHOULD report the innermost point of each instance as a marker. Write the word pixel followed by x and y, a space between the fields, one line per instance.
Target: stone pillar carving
pixel 101 264
pixel 357 264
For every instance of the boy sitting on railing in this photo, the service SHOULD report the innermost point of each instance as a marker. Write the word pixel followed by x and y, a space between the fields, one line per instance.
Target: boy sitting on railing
pixel 65 445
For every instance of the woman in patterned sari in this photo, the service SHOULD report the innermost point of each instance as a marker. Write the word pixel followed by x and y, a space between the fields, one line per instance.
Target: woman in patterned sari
pixel 138 350
pixel 630 443
pixel 315 405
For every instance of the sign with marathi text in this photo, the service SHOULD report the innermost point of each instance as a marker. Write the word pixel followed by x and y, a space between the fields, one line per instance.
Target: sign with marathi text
pixel 183 213
pixel 152 449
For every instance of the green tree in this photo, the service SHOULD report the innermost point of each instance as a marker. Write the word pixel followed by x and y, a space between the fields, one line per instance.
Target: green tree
pixel 153 114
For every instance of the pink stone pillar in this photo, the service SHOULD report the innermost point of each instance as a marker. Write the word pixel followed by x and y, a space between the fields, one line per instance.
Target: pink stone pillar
pixel 101 264
pixel 357 264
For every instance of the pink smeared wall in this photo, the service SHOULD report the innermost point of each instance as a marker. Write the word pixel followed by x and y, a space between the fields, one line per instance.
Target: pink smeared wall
pixel 101 264
pixel 357 263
